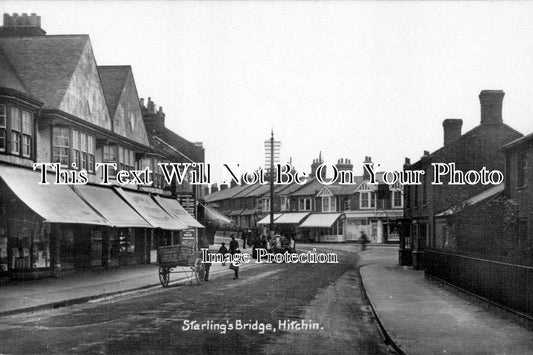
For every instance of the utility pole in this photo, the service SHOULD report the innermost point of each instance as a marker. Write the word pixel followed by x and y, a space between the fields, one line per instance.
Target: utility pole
pixel 272 180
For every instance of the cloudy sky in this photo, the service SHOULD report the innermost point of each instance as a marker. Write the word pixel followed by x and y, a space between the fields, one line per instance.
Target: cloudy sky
pixel 350 79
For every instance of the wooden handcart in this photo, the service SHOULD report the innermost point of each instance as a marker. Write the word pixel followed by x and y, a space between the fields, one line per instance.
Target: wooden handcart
pixel 180 259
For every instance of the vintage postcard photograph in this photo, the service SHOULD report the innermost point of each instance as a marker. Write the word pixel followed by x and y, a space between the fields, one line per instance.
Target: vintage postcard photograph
pixel 266 177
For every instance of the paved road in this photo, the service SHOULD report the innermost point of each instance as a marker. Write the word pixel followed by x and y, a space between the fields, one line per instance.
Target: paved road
pixel 328 297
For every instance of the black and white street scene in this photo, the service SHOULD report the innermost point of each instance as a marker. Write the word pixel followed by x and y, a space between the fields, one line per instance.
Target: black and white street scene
pixel 266 177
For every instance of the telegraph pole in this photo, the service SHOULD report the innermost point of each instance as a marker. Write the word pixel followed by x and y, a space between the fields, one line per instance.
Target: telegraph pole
pixel 272 180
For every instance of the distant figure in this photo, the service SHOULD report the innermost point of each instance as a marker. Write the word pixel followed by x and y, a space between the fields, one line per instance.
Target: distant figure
pixel 223 250
pixel 364 240
pixel 233 245
pixel 244 236
pixel 234 267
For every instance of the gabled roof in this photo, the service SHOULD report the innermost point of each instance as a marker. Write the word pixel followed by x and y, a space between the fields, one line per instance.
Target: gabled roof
pixel 225 194
pixel 113 79
pixel 8 78
pixel 45 64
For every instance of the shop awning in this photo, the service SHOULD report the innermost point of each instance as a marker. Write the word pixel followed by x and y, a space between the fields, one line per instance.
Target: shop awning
pixel 110 205
pixel 320 220
pixel 235 213
pixel 214 216
pixel 172 207
pixel 150 210
pixel 249 212
pixel 266 220
pixel 53 203
pixel 291 218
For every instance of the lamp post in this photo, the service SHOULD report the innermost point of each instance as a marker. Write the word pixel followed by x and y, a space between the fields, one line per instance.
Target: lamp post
pixel 272 156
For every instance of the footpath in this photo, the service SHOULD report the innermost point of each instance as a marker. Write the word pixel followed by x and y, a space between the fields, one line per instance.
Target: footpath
pixel 424 316
pixel 83 286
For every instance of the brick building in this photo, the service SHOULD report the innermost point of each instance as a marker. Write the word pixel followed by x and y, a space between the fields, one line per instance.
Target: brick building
pixel 477 148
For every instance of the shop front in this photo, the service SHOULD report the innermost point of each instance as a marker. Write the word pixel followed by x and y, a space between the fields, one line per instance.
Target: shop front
pixel 45 228
pixel 324 228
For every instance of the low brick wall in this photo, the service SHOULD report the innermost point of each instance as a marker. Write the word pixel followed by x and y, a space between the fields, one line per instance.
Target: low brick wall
pixel 507 284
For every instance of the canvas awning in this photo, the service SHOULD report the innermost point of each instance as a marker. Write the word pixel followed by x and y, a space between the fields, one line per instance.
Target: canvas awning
pixel 291 218
pixel 172 207
pixel 266 220
pixel 150 210
pixel 213 215
pixel 111 206
pixel 53 203
pixel 320 220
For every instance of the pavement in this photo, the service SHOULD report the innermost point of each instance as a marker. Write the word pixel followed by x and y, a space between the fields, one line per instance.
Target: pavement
pixel 418 315
pixel 424 316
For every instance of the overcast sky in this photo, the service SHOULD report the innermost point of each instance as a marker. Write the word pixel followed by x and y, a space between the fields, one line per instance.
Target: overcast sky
pixel 350 79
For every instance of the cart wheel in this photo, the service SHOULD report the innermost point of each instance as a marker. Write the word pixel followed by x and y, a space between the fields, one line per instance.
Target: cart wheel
pixel 164 276
pixel 199 271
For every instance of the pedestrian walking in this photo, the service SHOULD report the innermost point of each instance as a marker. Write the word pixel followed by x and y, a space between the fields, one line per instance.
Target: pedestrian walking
pixel 207 266
pixel 364 240
pixel 233 245
pixel 223 250
pixel 235 267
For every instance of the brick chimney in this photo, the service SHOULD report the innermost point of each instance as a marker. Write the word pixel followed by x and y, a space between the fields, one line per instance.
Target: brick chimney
pixel 452 129
pixel 491 107
pixel 154 120
pixel 344 165
pixel 366 175
pixel 316 163
pixel 21 26
pixel 407 163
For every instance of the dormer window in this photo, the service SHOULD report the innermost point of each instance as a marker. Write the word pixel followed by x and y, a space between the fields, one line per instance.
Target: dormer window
pixel 3 127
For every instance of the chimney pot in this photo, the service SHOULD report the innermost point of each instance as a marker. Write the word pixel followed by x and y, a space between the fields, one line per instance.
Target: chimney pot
pixel 491 106
pixel 452 129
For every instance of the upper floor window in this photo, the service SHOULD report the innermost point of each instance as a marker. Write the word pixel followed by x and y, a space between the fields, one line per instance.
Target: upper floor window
pixel 61 145
pixel 126 159
pixel 265 204
pixel 3 128
pixel 72 148
pixel 522 169
pixel 347 204
pixel 328 204
pixel 367 199
pixel 397 199
pixel 284 203
pixel 305 204
pixel 83 150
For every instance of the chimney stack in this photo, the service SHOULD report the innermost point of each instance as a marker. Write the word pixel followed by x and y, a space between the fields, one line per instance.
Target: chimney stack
pixel 344 165
pixel 491 107
pixel 366 175
pixel 407 163
pixel 21 26
pixel 452 129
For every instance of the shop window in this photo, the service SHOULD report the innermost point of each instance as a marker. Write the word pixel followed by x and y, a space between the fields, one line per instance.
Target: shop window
pixel 3 128
pixel 30 246
pixel 61 146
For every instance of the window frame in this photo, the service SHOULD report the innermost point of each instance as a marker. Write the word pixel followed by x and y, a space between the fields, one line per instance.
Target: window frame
pixel 370 199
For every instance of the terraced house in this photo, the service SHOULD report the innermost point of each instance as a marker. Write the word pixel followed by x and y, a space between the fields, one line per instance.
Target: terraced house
pixel 58 106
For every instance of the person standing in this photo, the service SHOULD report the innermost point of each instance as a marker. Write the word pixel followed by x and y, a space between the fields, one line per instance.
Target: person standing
pixel 223 250
pixel 244 236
